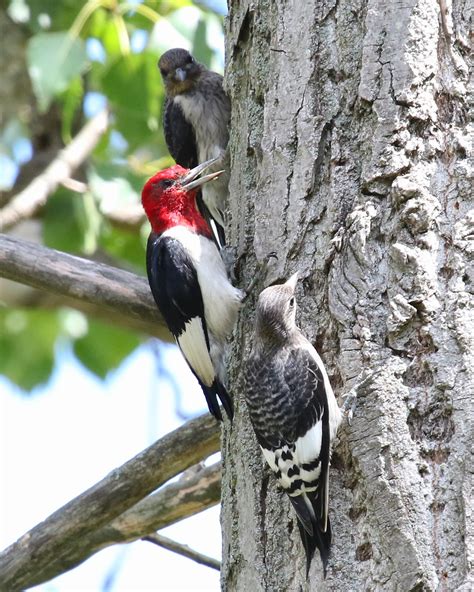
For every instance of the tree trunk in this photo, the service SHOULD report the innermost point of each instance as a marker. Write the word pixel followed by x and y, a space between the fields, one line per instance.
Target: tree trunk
pixel 349 159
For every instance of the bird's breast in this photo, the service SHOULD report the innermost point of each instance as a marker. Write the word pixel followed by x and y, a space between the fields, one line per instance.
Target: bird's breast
pixel 210 123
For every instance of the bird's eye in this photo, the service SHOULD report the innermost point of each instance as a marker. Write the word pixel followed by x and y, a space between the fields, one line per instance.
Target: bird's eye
pixel 190 60
pixel 165 183
pixel 292 302
pixel 164 72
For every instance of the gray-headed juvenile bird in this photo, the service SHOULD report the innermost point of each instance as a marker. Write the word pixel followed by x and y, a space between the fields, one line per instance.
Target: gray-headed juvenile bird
pixel 294 413
pixel 196 124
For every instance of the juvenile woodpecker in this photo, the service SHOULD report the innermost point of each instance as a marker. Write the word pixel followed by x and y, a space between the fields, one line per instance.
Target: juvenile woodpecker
pixel 196 125
pixel 188 278
pixel 294 413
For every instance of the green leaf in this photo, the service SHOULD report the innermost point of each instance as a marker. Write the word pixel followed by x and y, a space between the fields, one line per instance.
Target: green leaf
pixel 201 49
pixel 27 339
pixel 11 132
pixel 114 186
pixel 71 222
pixel 98 22
pixel 72 101
pixel 133 86
pixel 104 347
pixel 184 21
pixel 54 61
pixel 124 245
pixel 111 38
pixel 45 14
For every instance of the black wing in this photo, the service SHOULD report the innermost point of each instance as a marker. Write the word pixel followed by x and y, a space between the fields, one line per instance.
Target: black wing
pixel 285 395
pixel 174 283
pixel 179 136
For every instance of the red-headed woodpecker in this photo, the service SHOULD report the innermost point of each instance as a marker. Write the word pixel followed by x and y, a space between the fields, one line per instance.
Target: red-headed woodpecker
pixel 188 278
pixel 294 413
pixel 196 124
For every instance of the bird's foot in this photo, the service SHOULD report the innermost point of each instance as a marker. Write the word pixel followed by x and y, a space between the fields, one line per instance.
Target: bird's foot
pixel 260 274
pixel 349 405
pixel 231 262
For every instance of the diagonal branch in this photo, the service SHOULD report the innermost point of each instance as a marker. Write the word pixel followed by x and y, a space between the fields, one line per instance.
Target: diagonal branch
pixel 180 499
pixel 63 539
pixel 83 281
pixel 185 550
pixel 33 197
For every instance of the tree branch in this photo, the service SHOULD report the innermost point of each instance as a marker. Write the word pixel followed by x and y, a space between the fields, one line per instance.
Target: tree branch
pixel 83 281
pixel 184 550
pixel 61 541
pixel 181 499
pixel 31 199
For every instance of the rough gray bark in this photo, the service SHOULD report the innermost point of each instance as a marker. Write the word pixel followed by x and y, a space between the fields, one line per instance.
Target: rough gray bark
pixel 350 160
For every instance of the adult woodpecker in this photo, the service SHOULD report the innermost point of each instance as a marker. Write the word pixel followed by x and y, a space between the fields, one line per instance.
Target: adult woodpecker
pixel 188 278
pixel 294 413
pixel 196 124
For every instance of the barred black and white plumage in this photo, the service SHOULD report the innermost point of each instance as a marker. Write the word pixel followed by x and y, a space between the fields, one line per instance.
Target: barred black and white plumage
pixel 294 413
pixel 196 126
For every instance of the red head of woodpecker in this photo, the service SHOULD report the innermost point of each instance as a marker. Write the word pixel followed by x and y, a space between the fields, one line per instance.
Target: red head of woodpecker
pixel 196 125
pixel 169 199
pixel 187 276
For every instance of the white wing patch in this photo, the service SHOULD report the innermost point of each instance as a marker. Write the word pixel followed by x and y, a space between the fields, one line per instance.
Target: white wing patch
pixel 192 342
pixel 308 447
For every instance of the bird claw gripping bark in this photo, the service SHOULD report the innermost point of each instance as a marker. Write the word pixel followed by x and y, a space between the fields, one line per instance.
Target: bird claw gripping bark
pixel 349 405
pixel 231 261
pixel 260 274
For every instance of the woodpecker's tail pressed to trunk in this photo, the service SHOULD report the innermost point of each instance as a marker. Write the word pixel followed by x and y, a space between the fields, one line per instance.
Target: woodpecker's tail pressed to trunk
pixel 218 390
pixel 311 526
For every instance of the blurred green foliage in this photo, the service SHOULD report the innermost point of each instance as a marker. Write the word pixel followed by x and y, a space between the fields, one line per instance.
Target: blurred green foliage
pixel 81 56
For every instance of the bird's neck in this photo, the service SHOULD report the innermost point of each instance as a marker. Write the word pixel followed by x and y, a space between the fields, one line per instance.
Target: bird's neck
pixel 272 338
pixel 269 340
pixel 177 211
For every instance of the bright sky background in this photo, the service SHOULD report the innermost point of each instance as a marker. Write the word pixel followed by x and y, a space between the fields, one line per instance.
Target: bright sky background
pixel 68 435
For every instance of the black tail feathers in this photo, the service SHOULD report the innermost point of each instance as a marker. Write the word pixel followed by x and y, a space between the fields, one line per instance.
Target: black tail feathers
pixel 311 530
pixel 225 399
pixel 218 390
pixel 318 540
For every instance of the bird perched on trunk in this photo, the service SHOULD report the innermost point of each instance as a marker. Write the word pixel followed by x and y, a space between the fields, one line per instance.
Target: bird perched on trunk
pixel 196 124
pixel 294 413
pixel 188 278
